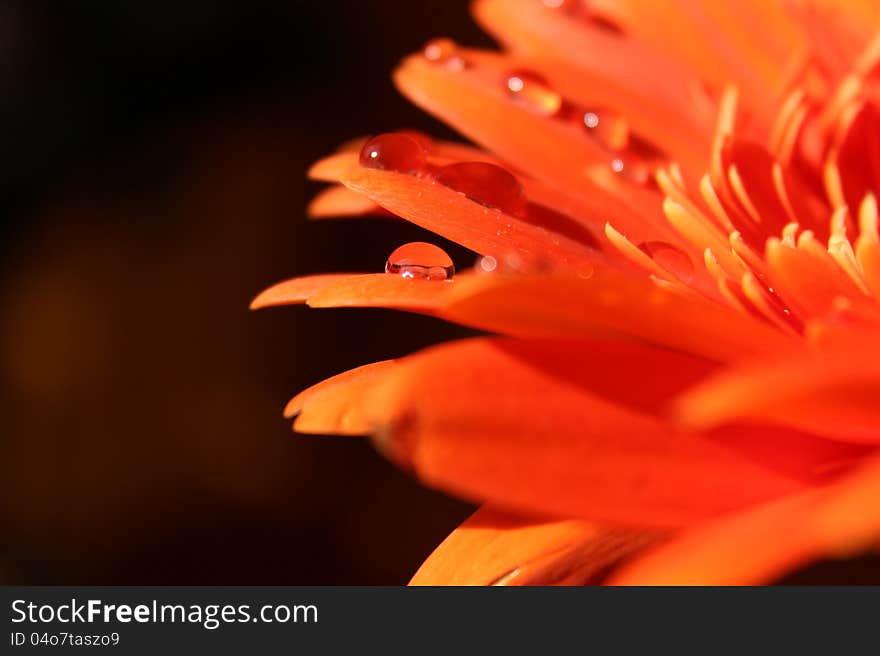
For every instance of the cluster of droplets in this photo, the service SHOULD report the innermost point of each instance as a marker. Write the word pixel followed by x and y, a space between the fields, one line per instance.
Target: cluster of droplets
pixel 482 182
pixel 628 156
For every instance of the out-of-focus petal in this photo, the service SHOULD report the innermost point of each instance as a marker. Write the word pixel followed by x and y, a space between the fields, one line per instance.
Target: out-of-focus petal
pixel 561 438
pixel 832 392
pixel 339 201
pixel 761 544
pixel 495 548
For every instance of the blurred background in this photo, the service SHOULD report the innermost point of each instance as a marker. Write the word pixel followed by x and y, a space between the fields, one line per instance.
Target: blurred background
pixel 153 173
pixel 153 165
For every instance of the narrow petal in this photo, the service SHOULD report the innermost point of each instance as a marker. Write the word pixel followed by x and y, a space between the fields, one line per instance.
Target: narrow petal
pixel 332 407
pixel 762 544
pixel 496 548
pixel 383 290
pixel 451 214
pixel 544 427
pixel 339 201
pixel 832 392
pixel 610 302
pixel 296 290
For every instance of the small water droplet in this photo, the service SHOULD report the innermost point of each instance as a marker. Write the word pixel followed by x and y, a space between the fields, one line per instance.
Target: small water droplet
pixel 669 257
pixel 633 169
pixel 485 183
pixel 419 260
pixel 486 264
pixel 446 52
pixel 606 127
pixel 393 151
pixel 533 92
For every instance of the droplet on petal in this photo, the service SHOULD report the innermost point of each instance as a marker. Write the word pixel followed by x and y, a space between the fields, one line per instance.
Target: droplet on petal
pixel 444 51
pixel 669 257
pixel 485 183
pixel 633 169
pixel 610 130
pixel 425 141
pixel 393 151
pixel 486 264
pixel 420 261
pixel 533 92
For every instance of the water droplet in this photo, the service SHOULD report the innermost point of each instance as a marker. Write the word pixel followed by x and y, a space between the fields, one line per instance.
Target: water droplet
pixel 393 151
pixel 444 51
pixel 486 184
pixel 425 141
pixel 634 169
pixel 420 261
pixel 486 264
pixel 534 92
pixel 609 129
pixel 669 257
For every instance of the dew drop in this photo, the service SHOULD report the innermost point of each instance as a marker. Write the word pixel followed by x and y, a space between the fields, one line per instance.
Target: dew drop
pixel 419 260
pixel 609 129
pixel 669 257
pixel 532 91
pixel 486 264
pixel 485 183
pixel 446 52
pixel 393 151
pixel 425 141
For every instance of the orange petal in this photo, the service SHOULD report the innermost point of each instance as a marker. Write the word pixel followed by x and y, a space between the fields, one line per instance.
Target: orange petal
pixel 338 201
pixel 459 219
pixel 541 427
pixel 652 92
pixel 832 393
pixel 383 290
pixel 557 153
pixel 495 548
pixel 761 544
pixel 295 290
pixel 332 407
pixel 610 301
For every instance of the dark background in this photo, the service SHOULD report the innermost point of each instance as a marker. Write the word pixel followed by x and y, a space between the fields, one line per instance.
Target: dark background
pixel 153 162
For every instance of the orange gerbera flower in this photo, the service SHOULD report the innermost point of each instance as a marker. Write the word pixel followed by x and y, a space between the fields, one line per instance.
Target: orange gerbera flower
pixel 675 208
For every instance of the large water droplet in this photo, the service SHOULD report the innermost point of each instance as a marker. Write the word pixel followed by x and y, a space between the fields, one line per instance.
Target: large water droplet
pixel 533 92
pixel 420 261
pixel 393 151
pixel 486 184
pixel 669 257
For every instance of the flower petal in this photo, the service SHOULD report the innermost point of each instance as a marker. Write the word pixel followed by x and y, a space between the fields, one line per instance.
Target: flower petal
pixel 552 428
pixel 332 407
pixel 761 544
pixel 495 548
pixel 383 290
pixel 295 290
pixel 610 302
pixel 339 201
pixel 459 219
pixel 832 392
